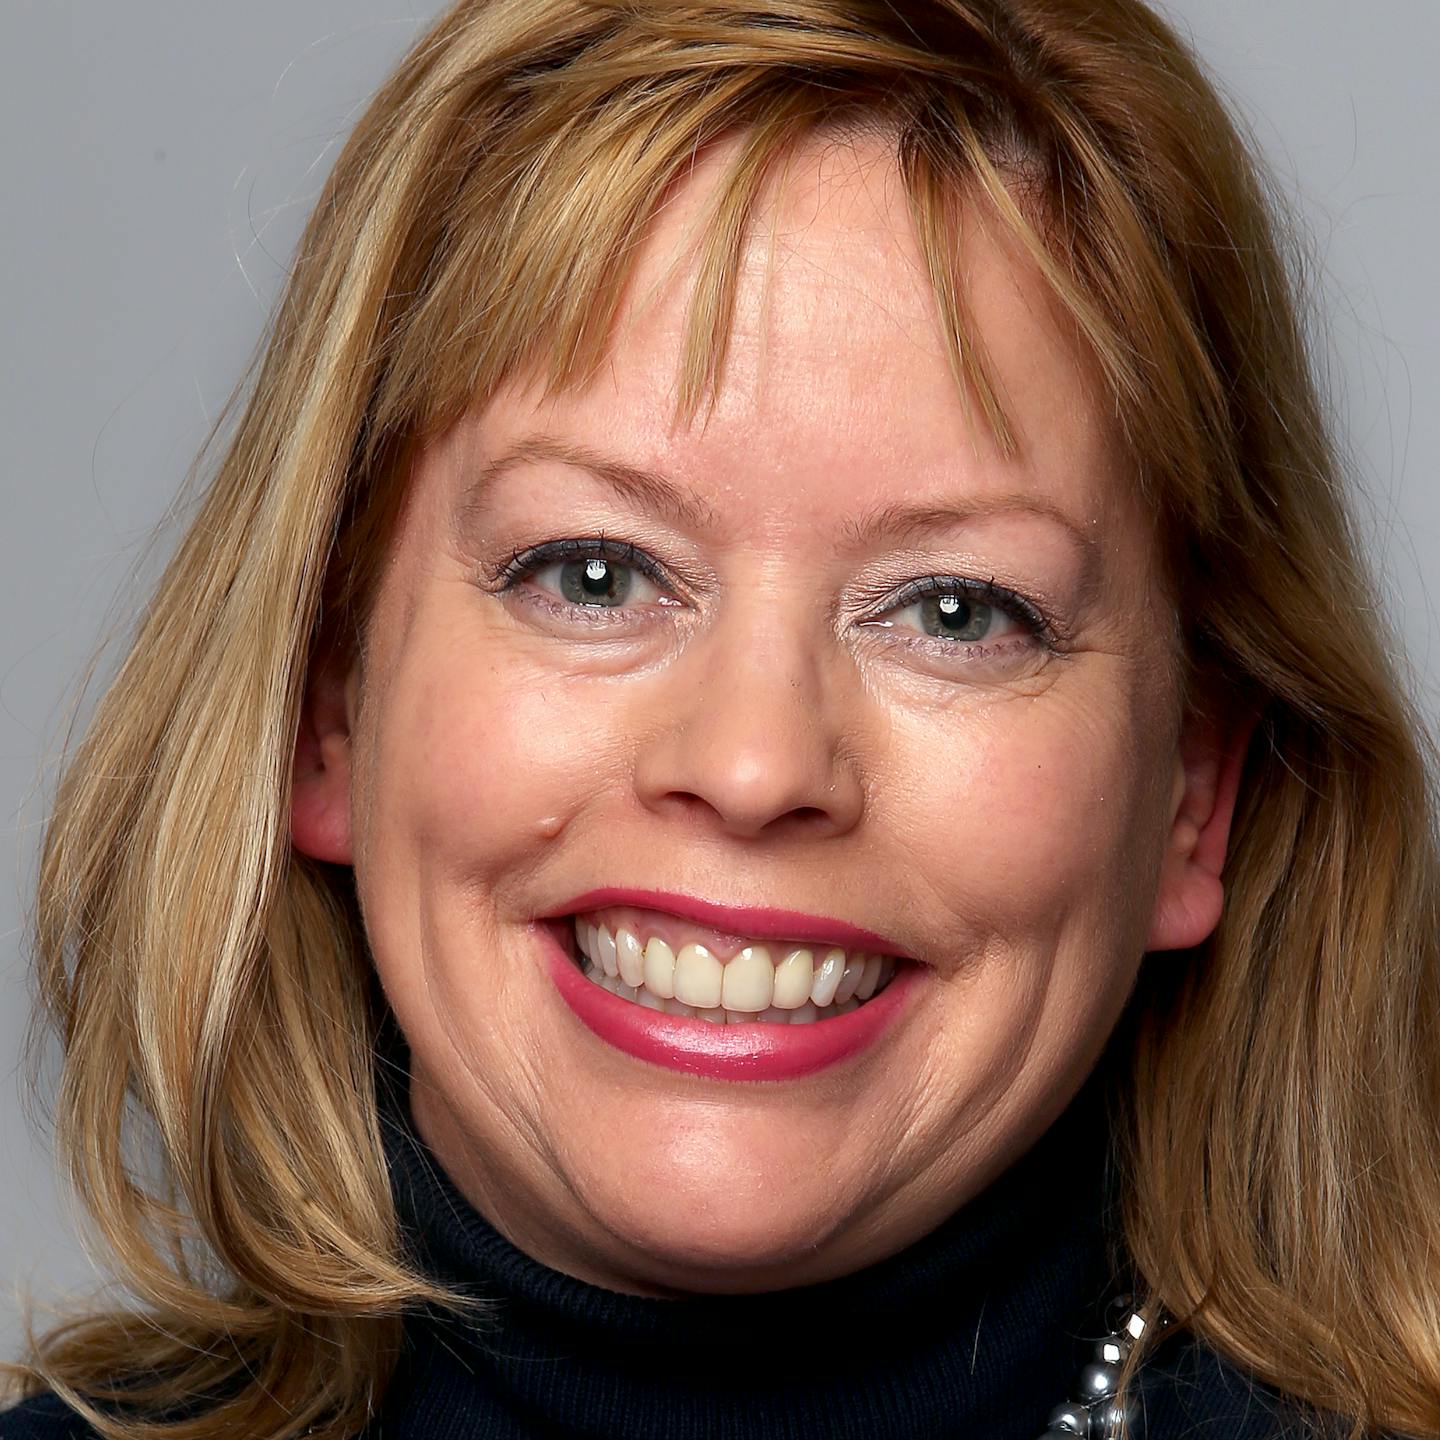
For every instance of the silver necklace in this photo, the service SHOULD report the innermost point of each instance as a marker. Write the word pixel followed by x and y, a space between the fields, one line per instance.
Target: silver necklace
pixel 1093 1411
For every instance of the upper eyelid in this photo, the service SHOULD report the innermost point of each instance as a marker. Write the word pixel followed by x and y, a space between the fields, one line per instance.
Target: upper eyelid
pixel 549 552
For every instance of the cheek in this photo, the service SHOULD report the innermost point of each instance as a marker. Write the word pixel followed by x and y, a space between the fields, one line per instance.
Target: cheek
pixel 477 761
pixel 1033 815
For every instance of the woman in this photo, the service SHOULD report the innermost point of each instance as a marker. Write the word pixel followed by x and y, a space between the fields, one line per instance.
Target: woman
pixel 655 867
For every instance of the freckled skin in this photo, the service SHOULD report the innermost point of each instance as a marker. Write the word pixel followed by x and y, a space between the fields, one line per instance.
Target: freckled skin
pixel 1021 822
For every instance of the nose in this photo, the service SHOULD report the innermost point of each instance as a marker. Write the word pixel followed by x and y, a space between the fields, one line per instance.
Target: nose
pixel 758 738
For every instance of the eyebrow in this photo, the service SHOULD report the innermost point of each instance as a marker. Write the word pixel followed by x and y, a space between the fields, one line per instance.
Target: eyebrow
pixel 646 488
pixel 892 521
pixel 898 523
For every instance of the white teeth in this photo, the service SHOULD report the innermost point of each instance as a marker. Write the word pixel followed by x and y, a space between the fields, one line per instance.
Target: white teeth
pixel 827 977
pixel 752 986
pixel 850 979
pixel 794 976
pixel 866 988
pixel 749 980
pixel 660 968
pixel 698 976
pixel 605 946
pixel 631 958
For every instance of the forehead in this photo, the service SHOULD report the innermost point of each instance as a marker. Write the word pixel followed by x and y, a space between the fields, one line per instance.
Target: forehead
pixel 836 390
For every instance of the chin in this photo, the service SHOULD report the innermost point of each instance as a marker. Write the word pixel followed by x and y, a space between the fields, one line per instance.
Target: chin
pixel 742 1223
pixel 721 1248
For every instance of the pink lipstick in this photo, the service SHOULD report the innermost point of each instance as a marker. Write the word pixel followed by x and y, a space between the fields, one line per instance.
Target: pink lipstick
pixel 758 1051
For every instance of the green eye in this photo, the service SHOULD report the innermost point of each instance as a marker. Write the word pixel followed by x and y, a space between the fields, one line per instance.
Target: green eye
pixel 595 581
pixel 961 613
pixel 953 617
pixel 586 574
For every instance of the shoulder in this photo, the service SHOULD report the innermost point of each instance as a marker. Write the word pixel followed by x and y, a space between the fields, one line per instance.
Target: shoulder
pixel 43 1417
pixel 1186 1389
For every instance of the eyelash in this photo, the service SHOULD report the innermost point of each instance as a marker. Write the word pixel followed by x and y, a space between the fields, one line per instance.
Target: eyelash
pixel 523 563
pixel 984 592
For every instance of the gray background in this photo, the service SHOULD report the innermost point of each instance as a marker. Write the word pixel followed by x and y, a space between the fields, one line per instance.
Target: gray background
pixel 158 159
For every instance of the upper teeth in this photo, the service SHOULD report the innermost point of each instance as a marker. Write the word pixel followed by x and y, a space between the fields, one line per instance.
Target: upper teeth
pixel 757 978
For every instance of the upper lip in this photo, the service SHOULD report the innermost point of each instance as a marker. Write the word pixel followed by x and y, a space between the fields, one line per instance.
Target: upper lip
pixel 759 922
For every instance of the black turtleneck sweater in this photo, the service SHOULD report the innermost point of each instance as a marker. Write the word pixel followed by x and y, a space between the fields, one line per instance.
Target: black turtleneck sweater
pixel 976 1330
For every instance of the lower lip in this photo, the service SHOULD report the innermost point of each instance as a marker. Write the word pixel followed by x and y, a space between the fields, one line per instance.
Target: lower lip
pixel 728 1052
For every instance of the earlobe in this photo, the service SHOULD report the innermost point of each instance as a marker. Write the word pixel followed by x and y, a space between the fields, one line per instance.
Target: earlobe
pixel 320 789
pixel 1191 893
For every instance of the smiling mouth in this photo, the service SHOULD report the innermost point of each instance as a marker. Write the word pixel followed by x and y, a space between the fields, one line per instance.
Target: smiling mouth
pixel 663 963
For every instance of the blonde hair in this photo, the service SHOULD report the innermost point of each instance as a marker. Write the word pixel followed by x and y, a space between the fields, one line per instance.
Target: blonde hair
pixel 211 987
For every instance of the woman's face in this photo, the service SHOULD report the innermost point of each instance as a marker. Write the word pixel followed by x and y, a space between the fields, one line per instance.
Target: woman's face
pixel 769 703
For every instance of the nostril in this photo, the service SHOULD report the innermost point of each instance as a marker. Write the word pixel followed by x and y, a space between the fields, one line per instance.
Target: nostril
pixel 809 815
pixel 807 820
pixel 804 817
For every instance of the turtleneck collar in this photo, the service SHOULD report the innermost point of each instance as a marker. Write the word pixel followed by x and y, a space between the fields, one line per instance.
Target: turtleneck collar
pixel 977 1328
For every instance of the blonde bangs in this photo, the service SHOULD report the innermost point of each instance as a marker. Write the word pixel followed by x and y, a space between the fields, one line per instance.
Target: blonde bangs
pixel 537 232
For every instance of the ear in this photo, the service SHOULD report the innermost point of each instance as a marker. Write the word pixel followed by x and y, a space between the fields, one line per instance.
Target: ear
pixel 320 792
pixel 1207 780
